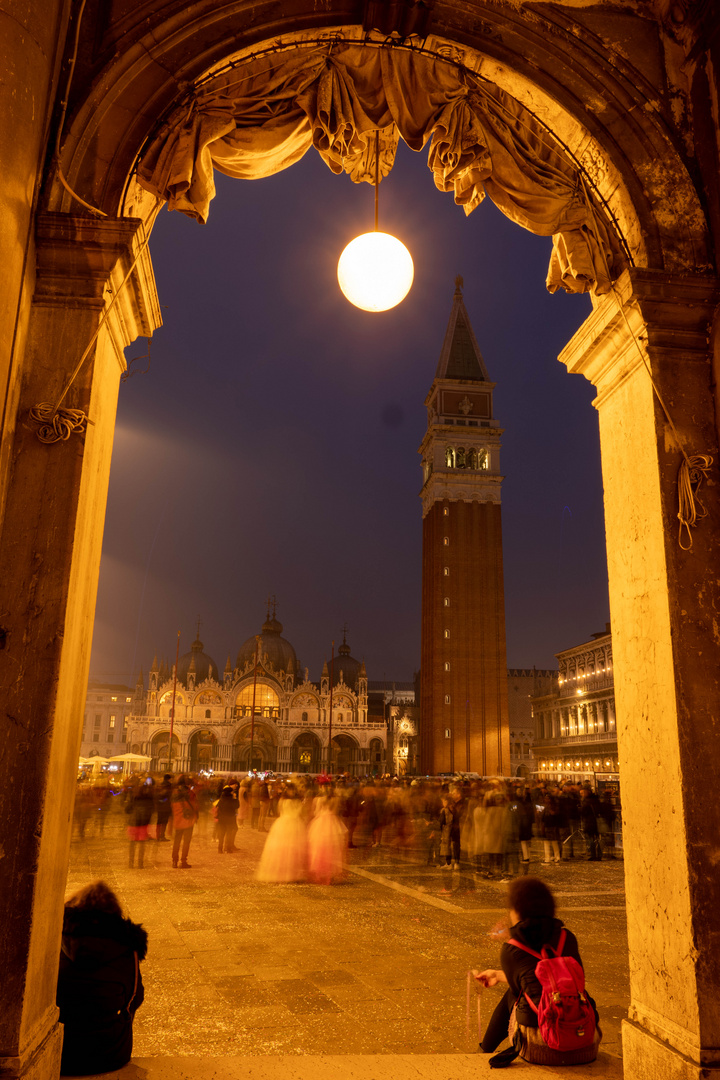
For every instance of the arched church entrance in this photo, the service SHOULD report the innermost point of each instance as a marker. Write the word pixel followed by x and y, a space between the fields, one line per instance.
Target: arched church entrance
pixel 202 750
pixel 254 748
pixel 343 755
pixel 161 758
pixel 305 754
pixel 638 182
pixel 376 755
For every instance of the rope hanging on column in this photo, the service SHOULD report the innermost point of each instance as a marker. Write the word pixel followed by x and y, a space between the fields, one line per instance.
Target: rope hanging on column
pixel 693 467
pixel 693 470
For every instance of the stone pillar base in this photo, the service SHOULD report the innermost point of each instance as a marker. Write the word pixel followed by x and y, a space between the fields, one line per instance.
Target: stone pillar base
pixel 646 1057
pixel 39 1062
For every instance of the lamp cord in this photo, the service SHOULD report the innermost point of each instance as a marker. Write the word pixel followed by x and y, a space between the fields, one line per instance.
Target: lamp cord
pixel 377 174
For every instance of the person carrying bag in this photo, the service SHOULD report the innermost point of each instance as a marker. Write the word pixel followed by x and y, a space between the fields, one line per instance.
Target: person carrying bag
pixel 546 1012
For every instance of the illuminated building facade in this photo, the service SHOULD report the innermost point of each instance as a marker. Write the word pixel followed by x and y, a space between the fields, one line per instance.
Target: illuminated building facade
pixel 525 684
pixel 463 669
pixel 108 708
pixel 575 734
pixel 215 726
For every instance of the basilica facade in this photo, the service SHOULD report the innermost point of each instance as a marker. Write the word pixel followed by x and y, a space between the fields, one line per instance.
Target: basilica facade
pixel 262 712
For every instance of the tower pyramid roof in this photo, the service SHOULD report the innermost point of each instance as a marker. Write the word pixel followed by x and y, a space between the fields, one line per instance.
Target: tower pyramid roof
pixel 460 357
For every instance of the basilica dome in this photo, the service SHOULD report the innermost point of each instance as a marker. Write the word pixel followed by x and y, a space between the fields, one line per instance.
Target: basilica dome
pixel 198 662
pixel 280 652
pixel 348 665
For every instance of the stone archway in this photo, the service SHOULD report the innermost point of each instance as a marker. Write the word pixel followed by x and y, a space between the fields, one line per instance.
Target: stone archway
pixel 162 759
pixel 305 753
pixel 254 748
pixel 609 104
pixel 343 755
pixel 202 750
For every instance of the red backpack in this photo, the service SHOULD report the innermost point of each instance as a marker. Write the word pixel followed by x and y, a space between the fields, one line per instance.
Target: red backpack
pixel 566 1017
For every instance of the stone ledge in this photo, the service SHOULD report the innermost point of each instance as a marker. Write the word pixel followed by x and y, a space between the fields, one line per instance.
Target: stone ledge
pixel 351 1067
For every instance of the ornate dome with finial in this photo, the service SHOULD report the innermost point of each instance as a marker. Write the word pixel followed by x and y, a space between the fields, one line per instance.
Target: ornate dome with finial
pixel 347 664
pixel 202 665
pixel 279 652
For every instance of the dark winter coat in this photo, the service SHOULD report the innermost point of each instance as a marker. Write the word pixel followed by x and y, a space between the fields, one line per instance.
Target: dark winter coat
pixel 588 815
pixel 99 988
pixel 519 966
pixel 227 808
pixel 140 805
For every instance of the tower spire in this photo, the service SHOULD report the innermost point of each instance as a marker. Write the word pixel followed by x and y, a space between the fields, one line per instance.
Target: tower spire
pixel 460 357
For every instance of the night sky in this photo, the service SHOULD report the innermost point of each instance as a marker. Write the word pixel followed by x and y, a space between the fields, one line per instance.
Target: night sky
pixel 272 446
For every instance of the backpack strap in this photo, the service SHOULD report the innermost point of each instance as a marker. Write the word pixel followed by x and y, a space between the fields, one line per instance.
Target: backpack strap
pixel 525 948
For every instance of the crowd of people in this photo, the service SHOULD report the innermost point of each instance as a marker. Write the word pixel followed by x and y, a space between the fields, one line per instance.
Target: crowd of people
pixel 311 823
pixel 483 826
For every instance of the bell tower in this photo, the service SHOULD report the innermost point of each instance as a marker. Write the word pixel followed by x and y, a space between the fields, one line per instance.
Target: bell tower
pixel 463 672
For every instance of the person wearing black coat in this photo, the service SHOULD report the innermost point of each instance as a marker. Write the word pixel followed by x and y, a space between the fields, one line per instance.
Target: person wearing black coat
pixel 163 794
pixel 139 804
pixel 589 813
pixel 99 984
pixel 227 808
pixel 532 922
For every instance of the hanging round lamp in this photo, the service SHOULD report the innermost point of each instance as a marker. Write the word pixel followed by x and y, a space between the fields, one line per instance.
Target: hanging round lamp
pixel 375 271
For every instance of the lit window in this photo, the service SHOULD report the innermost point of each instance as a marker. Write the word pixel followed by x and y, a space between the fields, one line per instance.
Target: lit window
pixel 446 633
pixel 113 698
pixel 446 511
pixel 447 699
pixel 446 541
pixel 446 571
pixel 128 699
pixel 450 458
pixel 446 601
pixel 125 720
pixel 112 722
pixel 448 733
pixel 447 665
pixel 265 698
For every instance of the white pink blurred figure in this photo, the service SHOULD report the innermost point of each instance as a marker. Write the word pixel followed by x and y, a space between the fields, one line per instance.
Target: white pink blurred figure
pixel 327 843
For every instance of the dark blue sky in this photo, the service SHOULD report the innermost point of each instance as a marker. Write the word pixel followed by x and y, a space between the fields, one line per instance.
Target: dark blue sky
pixel 272 446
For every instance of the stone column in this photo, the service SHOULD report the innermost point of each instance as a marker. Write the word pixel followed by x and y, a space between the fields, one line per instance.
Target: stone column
pixel 664 605
pixel 50 556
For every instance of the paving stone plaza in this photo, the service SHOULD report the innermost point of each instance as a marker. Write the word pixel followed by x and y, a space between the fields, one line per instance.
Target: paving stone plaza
pixel 375 966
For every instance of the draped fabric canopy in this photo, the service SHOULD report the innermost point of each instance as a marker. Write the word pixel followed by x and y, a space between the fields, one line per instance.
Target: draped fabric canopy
pixel 261 117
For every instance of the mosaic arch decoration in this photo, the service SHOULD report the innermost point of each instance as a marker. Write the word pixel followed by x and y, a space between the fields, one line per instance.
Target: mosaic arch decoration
pixel 262 116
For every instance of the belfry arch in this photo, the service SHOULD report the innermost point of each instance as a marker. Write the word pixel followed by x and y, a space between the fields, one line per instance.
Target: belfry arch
pixel 615 86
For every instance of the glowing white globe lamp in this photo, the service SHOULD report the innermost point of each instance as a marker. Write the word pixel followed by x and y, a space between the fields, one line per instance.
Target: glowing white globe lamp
pixel 375 271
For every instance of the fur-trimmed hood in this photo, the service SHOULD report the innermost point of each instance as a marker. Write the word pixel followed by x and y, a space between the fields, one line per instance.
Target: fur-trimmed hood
pixel 92 938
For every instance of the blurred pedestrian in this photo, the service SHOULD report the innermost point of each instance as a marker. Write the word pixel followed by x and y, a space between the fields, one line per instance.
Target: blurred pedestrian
pixel 99 985
pixel 185 814
pixel 226 828
pixel 327 842
pixel 139 804
pixel 163 806
pixel 284 857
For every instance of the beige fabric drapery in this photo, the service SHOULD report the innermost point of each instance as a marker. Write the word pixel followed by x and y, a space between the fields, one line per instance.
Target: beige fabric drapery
pixel 261 117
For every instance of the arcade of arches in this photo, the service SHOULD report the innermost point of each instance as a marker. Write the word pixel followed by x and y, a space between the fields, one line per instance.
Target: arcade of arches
pixel 609 142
